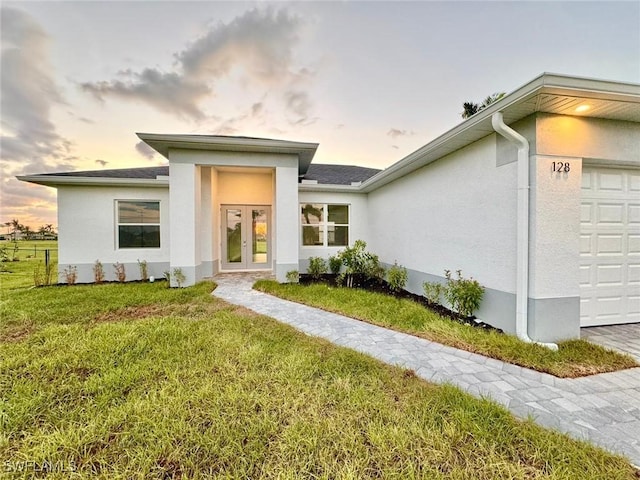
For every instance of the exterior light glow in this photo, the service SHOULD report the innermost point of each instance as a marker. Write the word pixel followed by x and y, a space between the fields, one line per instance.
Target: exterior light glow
pixel 583 108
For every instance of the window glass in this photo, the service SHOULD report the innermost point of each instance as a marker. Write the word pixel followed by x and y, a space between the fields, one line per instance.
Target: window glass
pixel 338 214
pixel 139 212
pixel 138 224
pixel 324 225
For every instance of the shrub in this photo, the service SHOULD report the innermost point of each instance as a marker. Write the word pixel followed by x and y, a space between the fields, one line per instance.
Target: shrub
pixel 335 264
pixel 121 275
pixel 317 266
pixel 433 291
pixel 359 262
pixel 144 272
pixel 167 276
pixel 463 294
pixel 98 272
pixel 397 277
pixel 4 254
pixel 41 277
pixel 178 276
pixel 293 276
pixel 70 274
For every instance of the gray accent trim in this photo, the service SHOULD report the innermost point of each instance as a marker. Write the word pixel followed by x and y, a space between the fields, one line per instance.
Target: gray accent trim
pixel 554 319
pixel 281 270
pixel 85 271
pixel 192 275
pixel 208 269
pixel 550 319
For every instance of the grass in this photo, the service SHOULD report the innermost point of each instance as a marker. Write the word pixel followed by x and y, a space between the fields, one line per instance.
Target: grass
pixel 574 358
pixel 30 253
pixel 140 381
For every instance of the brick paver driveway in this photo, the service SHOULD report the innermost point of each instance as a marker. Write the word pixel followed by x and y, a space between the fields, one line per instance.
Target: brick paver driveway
pixel 625 338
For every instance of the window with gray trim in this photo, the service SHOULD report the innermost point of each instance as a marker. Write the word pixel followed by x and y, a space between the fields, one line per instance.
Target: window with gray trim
pixel 324 225
pixel 138 224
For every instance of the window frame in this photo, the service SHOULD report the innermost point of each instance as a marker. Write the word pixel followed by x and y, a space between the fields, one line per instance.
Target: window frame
pixel 118 224
pixel 324 224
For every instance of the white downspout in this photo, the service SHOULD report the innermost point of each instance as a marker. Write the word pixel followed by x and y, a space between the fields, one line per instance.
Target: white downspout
pixel 522 265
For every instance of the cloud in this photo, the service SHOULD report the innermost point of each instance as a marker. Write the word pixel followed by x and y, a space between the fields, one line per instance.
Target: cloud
pixel 102 163
pixel 395 133
pixel 258 44
pixel 29 142
pixel 145 150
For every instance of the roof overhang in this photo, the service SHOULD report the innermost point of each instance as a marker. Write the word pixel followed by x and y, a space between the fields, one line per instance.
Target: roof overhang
pixel 548 93
pixel 162 144
pixel 58 181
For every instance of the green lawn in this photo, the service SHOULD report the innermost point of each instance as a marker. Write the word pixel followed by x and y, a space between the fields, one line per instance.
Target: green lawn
pixel 573 359
pixel 30 253
pixel 140 381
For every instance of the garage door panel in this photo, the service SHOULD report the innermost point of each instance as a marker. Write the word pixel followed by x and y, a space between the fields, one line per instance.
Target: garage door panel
pixel 633 274
pixel 612 180
pixel 634 244
pixel 609 275
pixel 633 214
pixel 610 246
pixel 610 213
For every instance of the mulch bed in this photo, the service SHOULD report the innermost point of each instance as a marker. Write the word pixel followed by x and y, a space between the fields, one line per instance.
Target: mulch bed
pixel 380 286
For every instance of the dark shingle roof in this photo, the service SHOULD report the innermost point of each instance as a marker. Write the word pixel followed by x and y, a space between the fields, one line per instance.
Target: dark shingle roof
pixel 142 172
pixel 322 173
pixel 338 174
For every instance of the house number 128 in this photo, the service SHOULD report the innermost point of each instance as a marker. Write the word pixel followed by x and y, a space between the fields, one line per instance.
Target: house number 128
pixel 561 167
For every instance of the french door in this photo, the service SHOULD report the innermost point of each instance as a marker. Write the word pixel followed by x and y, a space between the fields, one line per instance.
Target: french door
pixel 246 237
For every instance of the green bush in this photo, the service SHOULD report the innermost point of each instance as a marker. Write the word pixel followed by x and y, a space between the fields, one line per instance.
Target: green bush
pixel 359 263
pixel 397 277
pixel 463 294
pixel 293 276
pixel 433 291
pixel 335 264
pixel 317 266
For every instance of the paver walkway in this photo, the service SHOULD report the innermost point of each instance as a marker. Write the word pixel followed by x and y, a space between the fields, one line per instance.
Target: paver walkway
pixel 625 338
pixel 604 408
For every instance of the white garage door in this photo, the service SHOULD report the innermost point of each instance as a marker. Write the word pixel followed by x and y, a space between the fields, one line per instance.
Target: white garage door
pixel 610 246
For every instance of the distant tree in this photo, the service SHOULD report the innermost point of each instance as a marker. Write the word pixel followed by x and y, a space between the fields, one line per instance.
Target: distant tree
pixel 471 108
pixel 27 232
pixel 16 227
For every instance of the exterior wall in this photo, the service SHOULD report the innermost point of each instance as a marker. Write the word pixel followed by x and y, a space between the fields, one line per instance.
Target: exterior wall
pixel 608 142
pixel 456 213
pixel 285 238
pixel 358 222
pixel 87 231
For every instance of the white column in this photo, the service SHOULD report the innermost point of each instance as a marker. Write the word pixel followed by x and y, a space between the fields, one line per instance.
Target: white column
pixel 185 213
pixel 286 221
pixel 206 221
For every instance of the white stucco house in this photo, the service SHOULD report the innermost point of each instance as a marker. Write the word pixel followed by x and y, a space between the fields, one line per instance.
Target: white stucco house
pixel 537 197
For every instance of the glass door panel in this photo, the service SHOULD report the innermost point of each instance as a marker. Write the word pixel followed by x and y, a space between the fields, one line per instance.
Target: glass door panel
pixel 246 242
pixel 234 235
pixel 259 235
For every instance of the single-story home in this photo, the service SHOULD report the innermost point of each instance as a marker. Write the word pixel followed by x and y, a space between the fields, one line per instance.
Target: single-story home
pixel 537 197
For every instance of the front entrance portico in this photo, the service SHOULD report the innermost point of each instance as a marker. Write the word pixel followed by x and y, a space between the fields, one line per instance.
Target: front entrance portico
pixel 218 183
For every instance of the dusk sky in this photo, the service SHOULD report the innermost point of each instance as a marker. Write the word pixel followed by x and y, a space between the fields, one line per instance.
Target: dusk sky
pixel 369 81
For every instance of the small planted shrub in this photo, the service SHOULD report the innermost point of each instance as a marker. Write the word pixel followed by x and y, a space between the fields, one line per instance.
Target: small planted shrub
pixel 463 294
pixel 98 272
pixel 317 267
pixel 433 291
pixel 293 276
pixel 41 275
pixel 397 277
pixel 167 276
pixel 335 264
pixel 70 274
pixel 121 275
pixel 144 272
pixel 178 276
pixel 359 263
